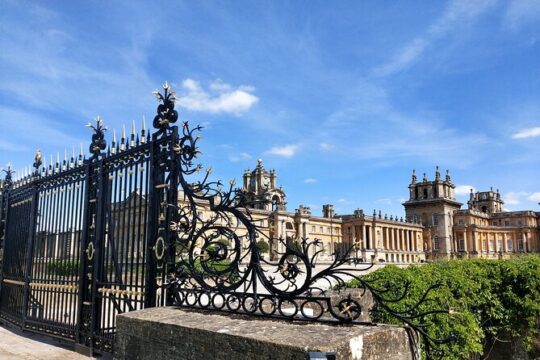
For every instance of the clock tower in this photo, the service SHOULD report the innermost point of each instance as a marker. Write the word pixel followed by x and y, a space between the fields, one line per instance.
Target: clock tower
pixel 261 189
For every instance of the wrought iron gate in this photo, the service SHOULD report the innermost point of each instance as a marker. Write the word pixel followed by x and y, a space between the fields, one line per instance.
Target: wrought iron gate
pixel 84 239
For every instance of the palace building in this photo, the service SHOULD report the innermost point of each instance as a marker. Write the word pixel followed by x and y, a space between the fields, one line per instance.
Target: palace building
pixel 434 227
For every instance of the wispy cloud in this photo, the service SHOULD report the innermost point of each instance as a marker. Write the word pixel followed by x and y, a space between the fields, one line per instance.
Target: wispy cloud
pixel 527 133
pixel 514 198
pixel 287 151
pixel 384 201
pixel 310 181
pixel 243 156
pixel 521 12
pixel 326 146
pixel 456 14
pixel 464 189
pixel 534 196
pixel 219 97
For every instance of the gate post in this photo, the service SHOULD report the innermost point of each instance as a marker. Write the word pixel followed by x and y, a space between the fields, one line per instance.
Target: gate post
pixel 172 198
pixel 4 206
pixel 30 242
pixel 90 249
pixel 156 177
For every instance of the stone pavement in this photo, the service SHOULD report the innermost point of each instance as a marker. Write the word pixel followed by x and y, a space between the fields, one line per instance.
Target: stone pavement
pixel 16 345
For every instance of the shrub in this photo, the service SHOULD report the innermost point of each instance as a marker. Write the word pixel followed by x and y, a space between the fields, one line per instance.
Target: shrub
pixel 64 267
pixel 263 246
pixel 492 300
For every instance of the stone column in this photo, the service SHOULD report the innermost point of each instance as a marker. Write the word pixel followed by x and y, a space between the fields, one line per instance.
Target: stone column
pixel 364 242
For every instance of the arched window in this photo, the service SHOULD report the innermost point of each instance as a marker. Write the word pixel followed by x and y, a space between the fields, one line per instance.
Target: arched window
pixel 289 226
pixel 276 201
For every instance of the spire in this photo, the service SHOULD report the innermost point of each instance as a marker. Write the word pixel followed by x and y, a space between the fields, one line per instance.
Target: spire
pixel 132 138
pixel 113 143
pixel 413 181
pixel 437 173
pixel 143 130
pixel 425 178
pixel 123 139
pixel 448 180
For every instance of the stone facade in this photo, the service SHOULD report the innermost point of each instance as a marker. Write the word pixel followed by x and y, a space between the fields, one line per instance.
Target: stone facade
pixel 483 230
pixel 434 226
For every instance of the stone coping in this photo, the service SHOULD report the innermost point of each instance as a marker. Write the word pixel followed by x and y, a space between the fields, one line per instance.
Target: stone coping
pixel 169 332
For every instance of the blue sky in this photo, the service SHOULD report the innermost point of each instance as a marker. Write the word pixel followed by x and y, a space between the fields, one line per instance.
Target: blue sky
pixel 342 98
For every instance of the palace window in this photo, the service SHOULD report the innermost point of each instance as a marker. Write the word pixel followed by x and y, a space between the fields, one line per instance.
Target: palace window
pixel 491 245
pixel 321 230
pixel 313 228
pixel 520 245
pixel 425 193
pixel 461 245
pixel 460 222
pixel 436 243
pixel 500 243
pixel 509 245
pixel 435 219
pixel 484 245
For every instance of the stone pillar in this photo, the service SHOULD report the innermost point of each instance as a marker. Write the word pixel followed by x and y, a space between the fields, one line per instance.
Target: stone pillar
pixel 465 247
pixel 364 245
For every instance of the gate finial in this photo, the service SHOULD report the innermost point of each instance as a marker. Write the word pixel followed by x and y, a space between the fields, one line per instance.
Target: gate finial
pixel 166 114
pixel 37 162
pixel 8 181
pixel 98 138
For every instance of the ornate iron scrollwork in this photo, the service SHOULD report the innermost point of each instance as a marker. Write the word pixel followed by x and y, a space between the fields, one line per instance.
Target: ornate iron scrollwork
pixel 166 114
pixel 98 138
pixel 218 265
pixel 8 180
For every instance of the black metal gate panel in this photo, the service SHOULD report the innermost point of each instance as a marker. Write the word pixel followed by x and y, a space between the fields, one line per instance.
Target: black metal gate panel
pixel 85 239
pixel 53 288
pixel 18 224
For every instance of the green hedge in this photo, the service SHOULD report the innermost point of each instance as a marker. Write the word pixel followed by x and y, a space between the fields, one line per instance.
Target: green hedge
pixel 64 267
pixel 491 300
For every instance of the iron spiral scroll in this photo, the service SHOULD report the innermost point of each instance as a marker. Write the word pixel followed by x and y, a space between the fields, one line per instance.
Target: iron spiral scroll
pixel 216 264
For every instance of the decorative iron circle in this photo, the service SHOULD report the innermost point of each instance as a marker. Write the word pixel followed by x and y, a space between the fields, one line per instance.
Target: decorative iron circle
pixel 349 310
pixel 159 248
pixel 90 250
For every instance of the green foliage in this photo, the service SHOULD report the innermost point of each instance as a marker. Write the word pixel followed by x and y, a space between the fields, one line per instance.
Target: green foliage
pixel 489 300
pixel 64 267
pixel 263 246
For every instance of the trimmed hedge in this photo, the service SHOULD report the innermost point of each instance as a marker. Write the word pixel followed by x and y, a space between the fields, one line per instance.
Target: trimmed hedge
pixel 64 267
pixel 490 300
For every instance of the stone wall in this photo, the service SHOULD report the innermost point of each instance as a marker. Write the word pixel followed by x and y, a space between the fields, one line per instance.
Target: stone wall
pixel 170 333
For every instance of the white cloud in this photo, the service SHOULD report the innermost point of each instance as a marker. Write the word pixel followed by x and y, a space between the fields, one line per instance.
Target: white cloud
pixel 219 98
pixel 464 189
pixel 343 200
pixel 326 146
pixel 240 157
pixel 385 201
pixel 534 197
pixel 527 133
pixel 514 198
pixel 456 13
pixel 310 181
pixel 287 151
